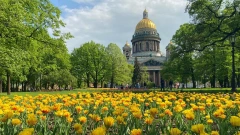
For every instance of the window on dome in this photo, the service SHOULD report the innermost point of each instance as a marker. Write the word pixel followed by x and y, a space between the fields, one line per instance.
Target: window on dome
pixel 140 47
pixel 147 47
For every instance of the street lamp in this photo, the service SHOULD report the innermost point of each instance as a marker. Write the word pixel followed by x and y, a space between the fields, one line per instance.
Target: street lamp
pixel 232 39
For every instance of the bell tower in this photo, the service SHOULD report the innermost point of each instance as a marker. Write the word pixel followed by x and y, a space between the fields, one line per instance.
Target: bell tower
pixel 127 50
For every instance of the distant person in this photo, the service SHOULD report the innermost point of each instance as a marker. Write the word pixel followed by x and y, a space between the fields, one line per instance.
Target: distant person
pixel 183 85
pixel 122 87
pixel 170 84
pixel 162 85
pixel 138 85
pixel 145 85
pixel 177 85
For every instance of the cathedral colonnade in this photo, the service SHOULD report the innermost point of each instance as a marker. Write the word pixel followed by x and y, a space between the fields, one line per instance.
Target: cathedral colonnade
pixel 140 46
pixel 155 77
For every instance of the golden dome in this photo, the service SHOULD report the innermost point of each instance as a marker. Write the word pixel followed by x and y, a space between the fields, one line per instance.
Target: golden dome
pixel 145 23
pixel 127 44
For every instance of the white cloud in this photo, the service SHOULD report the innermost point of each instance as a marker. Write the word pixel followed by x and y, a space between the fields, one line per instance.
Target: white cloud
pixel 83 1
pixel 114 21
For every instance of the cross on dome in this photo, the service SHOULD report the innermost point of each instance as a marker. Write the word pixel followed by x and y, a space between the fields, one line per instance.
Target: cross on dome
pixel 145 14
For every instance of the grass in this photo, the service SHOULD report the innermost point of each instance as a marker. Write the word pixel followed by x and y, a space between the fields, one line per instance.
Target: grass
pixel 40 92
pixel 197 90
pixel 204 90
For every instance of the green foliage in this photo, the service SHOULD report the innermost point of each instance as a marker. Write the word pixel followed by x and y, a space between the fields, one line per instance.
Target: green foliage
pixel 202 49
pixel 29 50
pixel 118 69
pixel 215 21
pixel 144 75
pixel 93 62
pixel 12 60
pixel 136 78
pixel 150 85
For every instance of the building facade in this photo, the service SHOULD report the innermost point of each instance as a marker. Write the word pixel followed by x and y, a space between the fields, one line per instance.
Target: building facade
pixel 146 47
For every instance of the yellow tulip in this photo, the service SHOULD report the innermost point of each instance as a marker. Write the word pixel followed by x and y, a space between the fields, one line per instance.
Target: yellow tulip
pixel 235 121
pixel 136 132
pixel 175 131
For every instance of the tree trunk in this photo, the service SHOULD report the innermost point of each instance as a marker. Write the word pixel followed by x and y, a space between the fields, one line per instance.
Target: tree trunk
pixel 193 78
pixel 25 86
pixel 40 82
pixel 12 86
pixel 18 85
pixel 238 78
pixel 52 86
pixel 95 84
pixel 46 86
pixel 96 80
pixel 88 80
pixel 0 85
pixel 225 84
pixel 111 86
pixel 22 86
pixel 4 86
pixel 221 83
pixel 213 80
pixel 79 82
pixel 8 84
pixel 204 81
pixel 102 84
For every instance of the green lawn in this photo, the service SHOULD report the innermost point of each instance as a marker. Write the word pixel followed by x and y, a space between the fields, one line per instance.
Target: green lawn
pixel 197 90
pixel 39 92
pixel 204 90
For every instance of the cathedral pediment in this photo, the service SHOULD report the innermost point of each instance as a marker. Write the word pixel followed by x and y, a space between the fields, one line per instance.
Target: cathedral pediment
pixel 152 63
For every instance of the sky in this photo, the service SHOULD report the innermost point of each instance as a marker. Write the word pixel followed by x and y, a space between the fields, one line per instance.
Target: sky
pixel 114 21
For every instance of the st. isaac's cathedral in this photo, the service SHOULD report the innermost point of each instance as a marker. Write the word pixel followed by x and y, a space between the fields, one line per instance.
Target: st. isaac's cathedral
pixel 146 47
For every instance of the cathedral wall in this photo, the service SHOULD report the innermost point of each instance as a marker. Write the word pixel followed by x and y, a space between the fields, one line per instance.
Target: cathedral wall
pixel 145 45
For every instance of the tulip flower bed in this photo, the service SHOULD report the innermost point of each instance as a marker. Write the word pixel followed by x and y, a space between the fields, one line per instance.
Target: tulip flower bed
pixel 126 113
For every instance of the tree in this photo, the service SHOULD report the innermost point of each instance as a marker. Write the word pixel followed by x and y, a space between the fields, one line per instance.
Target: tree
pixel 11 63
pixel 92 61
pixel 144 75
pixel 118 70
pixel 180 66
pixel 24 24
pixel 215 21
pixel 136 72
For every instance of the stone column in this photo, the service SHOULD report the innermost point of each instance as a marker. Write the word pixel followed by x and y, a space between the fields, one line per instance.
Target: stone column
pixel 133 48
pixel 152 46
pixel 149 75
pixel 140 47
pixel 154 77
pixel 137 48
pixel 144 46
pixel 159 75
